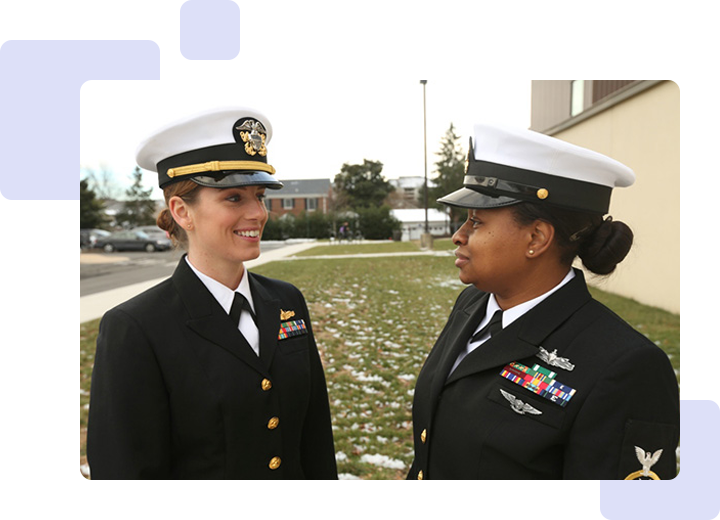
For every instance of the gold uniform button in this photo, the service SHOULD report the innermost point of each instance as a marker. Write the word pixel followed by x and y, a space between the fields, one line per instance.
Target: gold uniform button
pixel 273 423
pixel 423 436
pixel 420 475
pixel 266 385
pixel 274 463
pixel 542 194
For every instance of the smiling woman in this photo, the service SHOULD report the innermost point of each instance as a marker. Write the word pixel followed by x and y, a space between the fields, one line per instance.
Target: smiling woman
pixel 213 373
pixel 223 226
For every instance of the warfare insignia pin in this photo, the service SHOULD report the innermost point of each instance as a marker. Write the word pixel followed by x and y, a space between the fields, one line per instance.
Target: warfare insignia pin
pixel 253 134
pixel 286 315
pixel 552 359
pixel 519 406
pixel 647 461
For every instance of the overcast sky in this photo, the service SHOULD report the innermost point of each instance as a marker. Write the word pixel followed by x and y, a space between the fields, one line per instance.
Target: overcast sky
pixel 318 124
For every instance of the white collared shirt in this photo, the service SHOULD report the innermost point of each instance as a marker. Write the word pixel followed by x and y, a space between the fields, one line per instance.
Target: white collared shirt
pixel 508 316
pixel 224 296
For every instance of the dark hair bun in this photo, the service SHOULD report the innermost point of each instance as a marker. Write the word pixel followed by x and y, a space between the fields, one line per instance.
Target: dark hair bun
pixel 606 247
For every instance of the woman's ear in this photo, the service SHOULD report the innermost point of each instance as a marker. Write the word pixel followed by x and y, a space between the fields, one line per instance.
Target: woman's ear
pixel 181 212
pixel 541 238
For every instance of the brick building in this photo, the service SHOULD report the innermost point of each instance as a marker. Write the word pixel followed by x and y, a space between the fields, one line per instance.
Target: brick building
pixel 299 195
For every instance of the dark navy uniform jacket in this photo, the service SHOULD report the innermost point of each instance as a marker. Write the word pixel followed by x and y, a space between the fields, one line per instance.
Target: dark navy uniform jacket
pixel 177 392
pixel 625 406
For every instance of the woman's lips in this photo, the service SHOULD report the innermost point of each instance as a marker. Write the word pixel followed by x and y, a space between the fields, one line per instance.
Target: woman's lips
pixel 249 234
pixel 460 259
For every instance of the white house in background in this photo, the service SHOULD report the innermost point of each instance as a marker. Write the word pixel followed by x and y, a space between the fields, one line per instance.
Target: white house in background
pixel 409 188
pixel 413 222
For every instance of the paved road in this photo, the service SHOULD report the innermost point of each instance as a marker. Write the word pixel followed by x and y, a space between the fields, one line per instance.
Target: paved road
pixel 101 271
pixel 107 279
pixel 104 271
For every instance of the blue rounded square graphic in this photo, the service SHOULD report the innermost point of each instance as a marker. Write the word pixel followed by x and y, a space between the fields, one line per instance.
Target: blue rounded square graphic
pixel 209 30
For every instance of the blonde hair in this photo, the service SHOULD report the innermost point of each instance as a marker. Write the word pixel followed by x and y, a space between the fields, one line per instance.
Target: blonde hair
pixel 187 191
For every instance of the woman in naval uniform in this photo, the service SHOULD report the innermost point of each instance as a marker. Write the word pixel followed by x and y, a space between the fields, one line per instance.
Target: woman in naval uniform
pixel 213 373
pixel 531 378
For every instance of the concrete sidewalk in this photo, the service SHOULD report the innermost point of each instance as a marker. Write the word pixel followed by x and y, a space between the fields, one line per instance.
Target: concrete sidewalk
pixel 95 305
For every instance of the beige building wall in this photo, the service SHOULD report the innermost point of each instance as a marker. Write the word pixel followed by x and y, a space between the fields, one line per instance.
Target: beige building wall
pixel 643 132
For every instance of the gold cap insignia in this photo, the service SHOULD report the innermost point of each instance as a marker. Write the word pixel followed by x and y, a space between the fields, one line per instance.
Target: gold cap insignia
pixel 253 134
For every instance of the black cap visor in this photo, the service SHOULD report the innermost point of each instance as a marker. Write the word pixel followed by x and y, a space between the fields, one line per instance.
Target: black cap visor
pixel 471 199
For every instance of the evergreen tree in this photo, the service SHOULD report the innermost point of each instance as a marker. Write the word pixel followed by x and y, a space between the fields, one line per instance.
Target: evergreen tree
pixel 450 170
pixel 139 208
pixel 91 209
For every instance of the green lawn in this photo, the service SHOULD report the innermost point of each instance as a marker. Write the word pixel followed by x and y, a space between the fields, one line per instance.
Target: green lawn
pixel 375 320
pixel 359 248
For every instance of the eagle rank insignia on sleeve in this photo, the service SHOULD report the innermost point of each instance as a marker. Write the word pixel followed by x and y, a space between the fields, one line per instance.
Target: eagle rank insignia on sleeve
pixel 647 461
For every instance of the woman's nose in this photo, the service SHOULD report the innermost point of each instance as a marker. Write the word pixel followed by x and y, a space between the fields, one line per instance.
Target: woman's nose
pixel 459 238
pixel 257 210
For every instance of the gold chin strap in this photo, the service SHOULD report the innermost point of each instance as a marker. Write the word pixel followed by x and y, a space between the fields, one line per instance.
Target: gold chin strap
pixel 216 166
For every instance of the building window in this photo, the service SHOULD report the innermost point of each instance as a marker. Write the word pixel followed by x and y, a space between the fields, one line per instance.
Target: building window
pixel 311 204
pixel 268 204
pixel 577 96
pixel 288 203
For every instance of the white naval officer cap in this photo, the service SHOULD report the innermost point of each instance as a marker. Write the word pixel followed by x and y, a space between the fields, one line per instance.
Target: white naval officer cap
pixel 219 148
pixel 506 166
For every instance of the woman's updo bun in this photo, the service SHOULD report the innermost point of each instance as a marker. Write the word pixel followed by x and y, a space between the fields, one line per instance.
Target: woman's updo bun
pixel 606 246
pixel 166 222
pixel 186 190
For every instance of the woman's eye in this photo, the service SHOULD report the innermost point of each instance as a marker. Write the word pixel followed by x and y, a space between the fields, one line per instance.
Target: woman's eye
pixel 475 223
pixel 238 198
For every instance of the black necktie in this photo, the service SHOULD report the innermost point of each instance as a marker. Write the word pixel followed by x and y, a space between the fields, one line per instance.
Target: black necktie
pixel 240 304
pixel 493 327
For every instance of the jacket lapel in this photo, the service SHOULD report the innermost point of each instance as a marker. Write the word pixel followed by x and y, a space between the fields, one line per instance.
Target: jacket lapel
pixel 523 337
pixel 267 310
pixel 498 351
pixel 208 319
pixel 463 324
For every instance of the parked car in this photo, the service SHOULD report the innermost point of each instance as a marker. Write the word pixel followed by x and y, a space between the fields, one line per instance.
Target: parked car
pixel 89 237
pixel 152 231
pixel 133 240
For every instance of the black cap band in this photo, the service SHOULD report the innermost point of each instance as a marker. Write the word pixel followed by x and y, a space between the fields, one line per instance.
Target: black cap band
pixel 498 180
pixel 214 161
